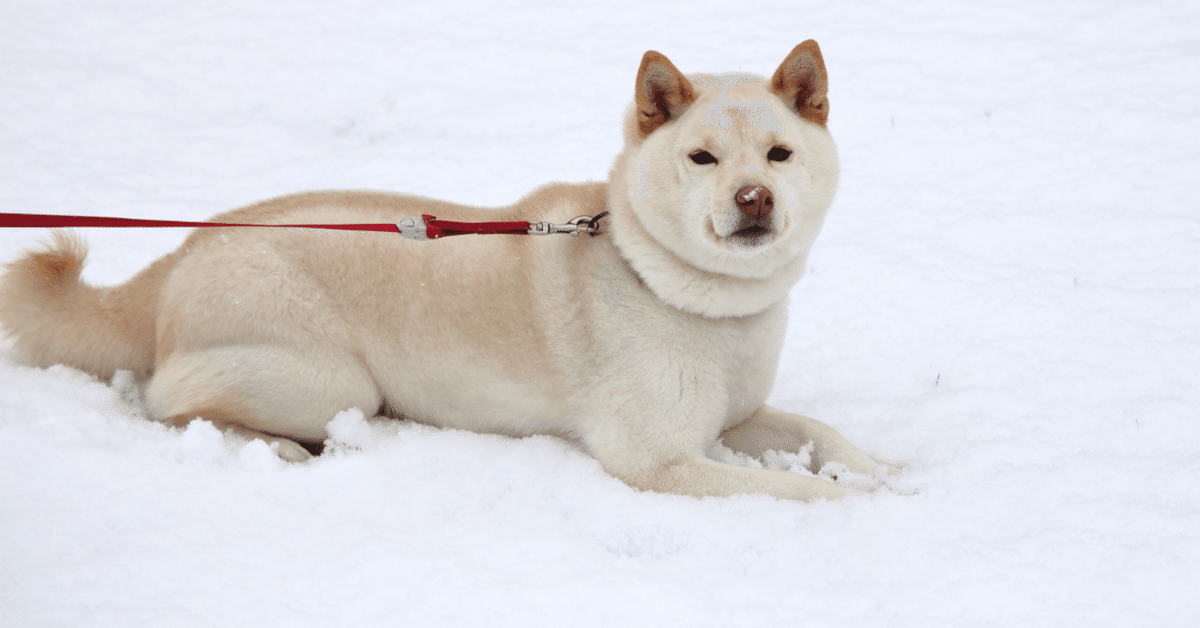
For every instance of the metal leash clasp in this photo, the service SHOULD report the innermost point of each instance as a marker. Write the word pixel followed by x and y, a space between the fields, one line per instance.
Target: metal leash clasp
pixel 574 227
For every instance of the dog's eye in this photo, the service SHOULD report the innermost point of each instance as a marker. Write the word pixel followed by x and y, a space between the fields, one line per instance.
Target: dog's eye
pixel 779 153
pixel 703 157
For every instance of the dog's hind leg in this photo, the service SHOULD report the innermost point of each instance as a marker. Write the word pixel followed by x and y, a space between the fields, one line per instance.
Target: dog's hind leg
pixel 286 448
pixel 772 429
pixel 273 393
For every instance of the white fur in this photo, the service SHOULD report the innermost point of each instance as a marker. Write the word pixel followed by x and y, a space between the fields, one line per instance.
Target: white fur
pixel 645 344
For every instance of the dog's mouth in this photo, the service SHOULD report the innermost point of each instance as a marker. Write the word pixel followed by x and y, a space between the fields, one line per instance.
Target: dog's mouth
pixel 751 236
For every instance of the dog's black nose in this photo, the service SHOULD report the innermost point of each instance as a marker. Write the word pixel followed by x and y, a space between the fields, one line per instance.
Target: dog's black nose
pixel 755 201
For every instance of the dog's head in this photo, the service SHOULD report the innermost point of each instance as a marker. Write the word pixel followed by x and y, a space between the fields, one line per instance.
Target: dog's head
pixel 725 177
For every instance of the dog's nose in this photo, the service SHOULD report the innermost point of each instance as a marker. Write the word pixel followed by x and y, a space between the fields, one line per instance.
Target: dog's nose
pixel 755 201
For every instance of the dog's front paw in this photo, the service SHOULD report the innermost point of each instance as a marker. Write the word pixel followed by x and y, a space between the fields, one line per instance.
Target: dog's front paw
pixel 841 475
pixel 887 479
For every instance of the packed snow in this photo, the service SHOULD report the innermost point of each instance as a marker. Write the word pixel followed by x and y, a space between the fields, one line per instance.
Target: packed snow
pixel 1004 302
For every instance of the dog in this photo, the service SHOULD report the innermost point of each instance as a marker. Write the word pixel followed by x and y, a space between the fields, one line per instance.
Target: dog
pixel 644 344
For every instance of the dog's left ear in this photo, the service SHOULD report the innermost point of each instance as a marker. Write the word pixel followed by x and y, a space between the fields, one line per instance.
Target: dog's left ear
pixel 662 93
pixel 802 83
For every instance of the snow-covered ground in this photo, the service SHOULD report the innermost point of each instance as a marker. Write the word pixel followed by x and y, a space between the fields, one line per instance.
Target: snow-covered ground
pixel 1005 299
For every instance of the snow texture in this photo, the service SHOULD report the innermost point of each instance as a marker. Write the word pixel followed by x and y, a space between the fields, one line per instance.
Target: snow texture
pixel 1005 300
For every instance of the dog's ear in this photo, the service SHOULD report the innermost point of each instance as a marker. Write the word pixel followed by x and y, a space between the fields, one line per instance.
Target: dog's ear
pixel 802 83
pixel 663 93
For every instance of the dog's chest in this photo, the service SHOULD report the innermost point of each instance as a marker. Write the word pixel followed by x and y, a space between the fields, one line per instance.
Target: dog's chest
pixel 746 357
pixel 716 372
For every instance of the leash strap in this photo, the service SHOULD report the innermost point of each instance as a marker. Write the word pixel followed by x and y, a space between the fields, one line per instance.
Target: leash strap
pixel 51 221
pixel 419 229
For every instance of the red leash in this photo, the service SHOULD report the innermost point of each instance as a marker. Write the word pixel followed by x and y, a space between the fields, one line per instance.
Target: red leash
pixel 417 228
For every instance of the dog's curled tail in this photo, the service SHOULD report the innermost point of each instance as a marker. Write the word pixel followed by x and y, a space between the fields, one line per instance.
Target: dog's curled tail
pixel 56 318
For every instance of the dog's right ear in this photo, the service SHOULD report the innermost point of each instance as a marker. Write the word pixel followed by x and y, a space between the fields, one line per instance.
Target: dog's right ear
pixel 663 93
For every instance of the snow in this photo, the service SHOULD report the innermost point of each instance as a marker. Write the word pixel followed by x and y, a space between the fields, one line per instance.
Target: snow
pixel 1004 300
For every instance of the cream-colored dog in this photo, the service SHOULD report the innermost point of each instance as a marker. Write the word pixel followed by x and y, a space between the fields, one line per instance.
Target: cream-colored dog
pixel 644 344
